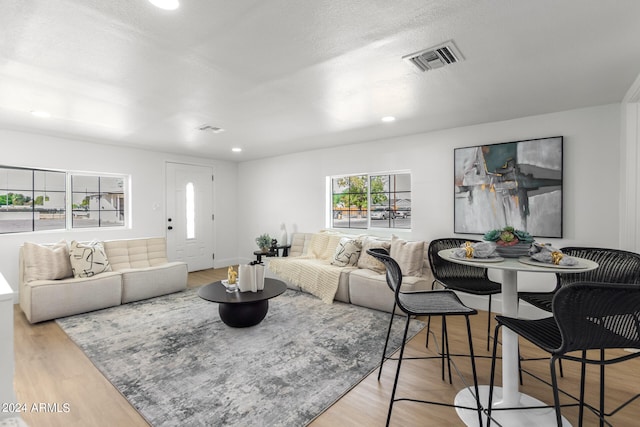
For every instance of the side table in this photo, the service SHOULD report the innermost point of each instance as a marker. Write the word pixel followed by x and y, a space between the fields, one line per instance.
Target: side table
pixel 275 251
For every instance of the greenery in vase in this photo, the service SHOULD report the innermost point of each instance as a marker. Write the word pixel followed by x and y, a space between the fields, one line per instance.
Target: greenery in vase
pixel 508 236
pixel 263 241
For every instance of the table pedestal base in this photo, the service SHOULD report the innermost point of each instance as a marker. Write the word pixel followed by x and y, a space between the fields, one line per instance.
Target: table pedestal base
pixel 517 417
pixel 243 315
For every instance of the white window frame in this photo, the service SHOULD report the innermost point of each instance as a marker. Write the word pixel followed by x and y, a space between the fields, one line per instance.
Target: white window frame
pixel 125 213
pixel 392 220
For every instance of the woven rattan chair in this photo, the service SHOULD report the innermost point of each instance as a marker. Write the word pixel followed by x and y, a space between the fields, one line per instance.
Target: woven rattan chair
pixel 458 277
pixel 586 316
pixel 614 266
pixel 425 303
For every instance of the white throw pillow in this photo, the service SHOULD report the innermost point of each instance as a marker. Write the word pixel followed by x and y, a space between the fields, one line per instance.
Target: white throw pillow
pixel 88 259
pixel 408 255
pixel 369 262
pixel 46 262
pixel 347 252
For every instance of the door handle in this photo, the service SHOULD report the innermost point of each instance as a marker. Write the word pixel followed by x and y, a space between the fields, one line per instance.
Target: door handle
pixel 169 228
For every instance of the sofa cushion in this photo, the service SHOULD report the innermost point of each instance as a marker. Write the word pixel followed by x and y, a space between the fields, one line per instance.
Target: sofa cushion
pixel 46 262
pixel 347 252
pixel 143 283
pixel 88 259
pixel 136 253
pixel 332 244
pixel 408 255
pixel 299 244
pixel 318 245
pixel 323 245
pixel 370 289
pixel 42 300
pixel 367 261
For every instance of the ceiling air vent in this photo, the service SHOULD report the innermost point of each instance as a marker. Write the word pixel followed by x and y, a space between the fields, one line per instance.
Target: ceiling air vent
pixel 209 128
pixel 435 57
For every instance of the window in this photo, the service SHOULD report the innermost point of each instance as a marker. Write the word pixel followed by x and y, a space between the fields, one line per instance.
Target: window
pixel 98 201
pixel 190 206
pixel 391 200
pixel 31 200
pixel 38 199
pixel 371 201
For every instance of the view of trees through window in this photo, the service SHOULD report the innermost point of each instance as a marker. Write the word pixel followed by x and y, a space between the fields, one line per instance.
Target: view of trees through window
pixel 365 201
pixel 36 199
pixel 31 200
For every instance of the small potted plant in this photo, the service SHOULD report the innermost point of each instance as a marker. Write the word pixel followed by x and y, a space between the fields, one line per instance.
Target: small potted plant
pixel 510 243
pixel 264 242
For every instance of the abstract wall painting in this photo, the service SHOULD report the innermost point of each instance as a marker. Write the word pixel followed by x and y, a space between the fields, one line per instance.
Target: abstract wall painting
pixel 514 183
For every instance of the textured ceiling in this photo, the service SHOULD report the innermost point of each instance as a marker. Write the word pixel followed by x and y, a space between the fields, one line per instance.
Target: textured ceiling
pixel 282 76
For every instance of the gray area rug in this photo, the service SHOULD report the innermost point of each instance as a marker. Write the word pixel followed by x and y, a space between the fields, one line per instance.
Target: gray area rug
pixel 179 365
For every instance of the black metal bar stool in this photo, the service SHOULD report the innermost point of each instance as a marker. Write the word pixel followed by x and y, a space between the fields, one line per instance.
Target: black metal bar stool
pixel 425 303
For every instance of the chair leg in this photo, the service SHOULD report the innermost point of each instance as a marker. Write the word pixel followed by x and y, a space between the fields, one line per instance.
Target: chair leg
pixel 443 353
pixel 556 395
pixel 386 342
pixel 493 373
pixel 395 383
pixel 489 324
pixel 602 388
pixel 445 348
pixel 582 381
pixel 473 369
pixel 433 286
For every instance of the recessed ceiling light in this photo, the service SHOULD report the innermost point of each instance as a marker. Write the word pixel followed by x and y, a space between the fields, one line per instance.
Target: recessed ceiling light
pixel 388 119
pixel 41 114
pixel 236 150
pixel 166 4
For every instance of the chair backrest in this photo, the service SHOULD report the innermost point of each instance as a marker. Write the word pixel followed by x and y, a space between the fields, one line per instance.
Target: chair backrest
pixel 614 266
pixel 598 316
pixel 443 269
pixel 394 274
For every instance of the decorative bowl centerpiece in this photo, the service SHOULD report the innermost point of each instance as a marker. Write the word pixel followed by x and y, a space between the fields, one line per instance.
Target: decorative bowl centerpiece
pixel 510 243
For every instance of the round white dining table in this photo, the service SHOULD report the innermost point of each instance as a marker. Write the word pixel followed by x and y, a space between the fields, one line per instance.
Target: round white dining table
pixel 509 395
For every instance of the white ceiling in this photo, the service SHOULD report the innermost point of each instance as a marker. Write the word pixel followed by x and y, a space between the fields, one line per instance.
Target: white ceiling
pixel 283 76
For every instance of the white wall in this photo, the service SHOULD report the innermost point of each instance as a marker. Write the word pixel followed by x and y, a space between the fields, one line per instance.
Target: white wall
pixel 147 171
pixel 291 189
pixel 256 197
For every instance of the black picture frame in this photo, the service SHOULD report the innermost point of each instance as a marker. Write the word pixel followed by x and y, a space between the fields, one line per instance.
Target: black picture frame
pixel 518 184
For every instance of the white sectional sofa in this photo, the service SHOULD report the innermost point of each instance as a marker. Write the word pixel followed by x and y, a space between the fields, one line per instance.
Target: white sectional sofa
pixel 314 257
pixel 134 269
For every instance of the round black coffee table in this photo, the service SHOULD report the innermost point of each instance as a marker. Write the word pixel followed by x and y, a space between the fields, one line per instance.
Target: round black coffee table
pixel 242 309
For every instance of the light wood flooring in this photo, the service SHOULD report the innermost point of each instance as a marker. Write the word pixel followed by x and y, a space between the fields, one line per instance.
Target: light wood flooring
pixel 51 369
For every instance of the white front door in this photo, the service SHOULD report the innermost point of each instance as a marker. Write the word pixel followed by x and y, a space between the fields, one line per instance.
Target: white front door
pixel 190 215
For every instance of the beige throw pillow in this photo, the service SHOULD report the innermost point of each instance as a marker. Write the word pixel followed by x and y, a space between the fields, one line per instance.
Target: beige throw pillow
pixel 369 262
pixel 347 252
pixel 88 259
pixel 46 262
pixel 408 255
